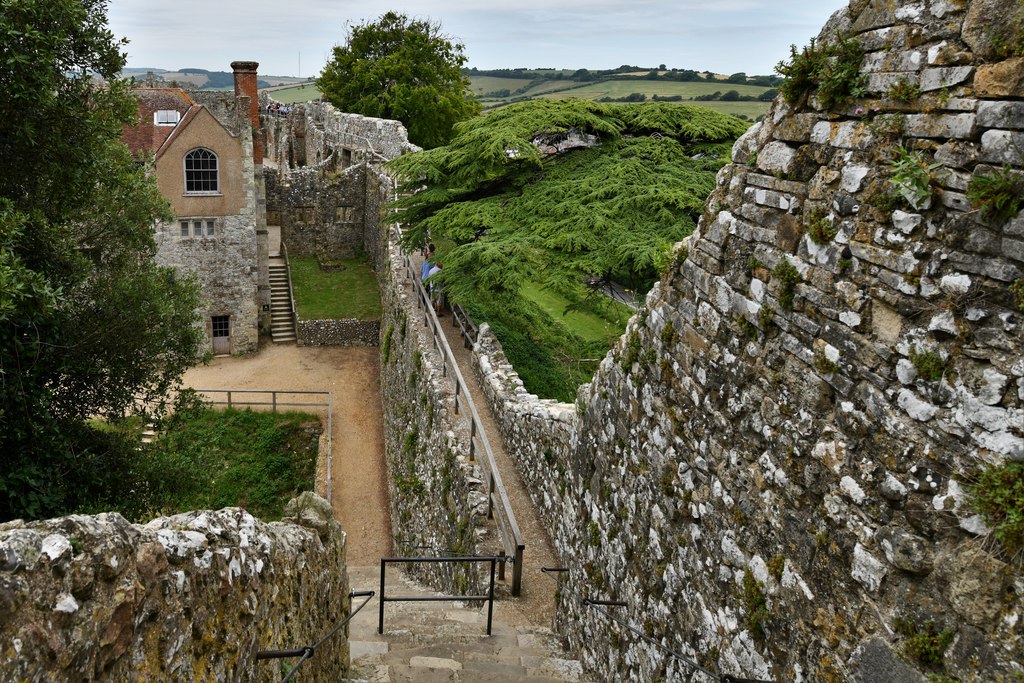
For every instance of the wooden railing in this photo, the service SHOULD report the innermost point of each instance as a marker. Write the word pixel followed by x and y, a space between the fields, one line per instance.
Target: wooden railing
pixel 499 507
pixel 232 399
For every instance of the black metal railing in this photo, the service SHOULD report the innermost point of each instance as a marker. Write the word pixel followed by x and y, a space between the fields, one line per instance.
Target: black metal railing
pixel 308 651
pixel 599 605
pixel 494 560
pixel 497 497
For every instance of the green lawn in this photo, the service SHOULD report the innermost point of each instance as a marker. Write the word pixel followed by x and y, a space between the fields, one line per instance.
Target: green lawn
pixel 204 459
pixel 589 326
pixel 345 294
pixel 749 109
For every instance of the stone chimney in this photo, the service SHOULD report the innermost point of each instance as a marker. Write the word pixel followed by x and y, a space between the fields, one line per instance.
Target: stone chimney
pixel 245 86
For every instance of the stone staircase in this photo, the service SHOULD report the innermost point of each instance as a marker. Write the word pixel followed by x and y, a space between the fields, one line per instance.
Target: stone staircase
pixel 446 641
pixel 282 324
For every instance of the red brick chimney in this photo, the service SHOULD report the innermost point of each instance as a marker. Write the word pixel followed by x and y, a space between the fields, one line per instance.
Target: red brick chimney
pixel 245 86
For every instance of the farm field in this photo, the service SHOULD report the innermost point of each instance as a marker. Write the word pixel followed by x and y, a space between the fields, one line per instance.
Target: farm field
pixel 303 93
pixel 687 89
pixel 484 84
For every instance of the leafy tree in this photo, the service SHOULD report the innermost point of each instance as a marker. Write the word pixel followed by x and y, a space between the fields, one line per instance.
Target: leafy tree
pixel 404 69
pixel 89 325
pixel 517 213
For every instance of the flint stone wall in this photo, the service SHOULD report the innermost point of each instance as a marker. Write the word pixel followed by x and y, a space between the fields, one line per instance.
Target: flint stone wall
pixel 778 493
pixel 438 505
pixel 188 597
pixel 339 333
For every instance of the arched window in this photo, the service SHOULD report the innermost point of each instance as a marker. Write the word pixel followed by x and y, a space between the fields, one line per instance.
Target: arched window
pixel 201 172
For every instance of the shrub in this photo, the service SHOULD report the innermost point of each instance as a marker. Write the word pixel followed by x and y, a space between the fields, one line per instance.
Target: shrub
pixel 820 229
pixel 911 177
pixel 929 364
pixel 998 496
pixel 924 644
pixel 788 275
pixel 904 91
pixel 831 69
pixel 757 607
pixel 998 195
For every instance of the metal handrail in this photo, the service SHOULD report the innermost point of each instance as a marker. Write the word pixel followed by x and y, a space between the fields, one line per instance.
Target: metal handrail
pixel 274 403
pixel 489 598
pixel 310 650
pixel 512 539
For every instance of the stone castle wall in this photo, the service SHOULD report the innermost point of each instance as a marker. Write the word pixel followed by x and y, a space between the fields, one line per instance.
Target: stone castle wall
pixel 188 597
pixel 338 332
pixel 780 493
pixel 437 501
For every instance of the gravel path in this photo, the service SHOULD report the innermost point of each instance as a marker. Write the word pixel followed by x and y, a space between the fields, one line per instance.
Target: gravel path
pixel 359 471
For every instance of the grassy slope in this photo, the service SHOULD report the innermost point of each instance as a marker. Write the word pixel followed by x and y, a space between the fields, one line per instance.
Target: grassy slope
pixel 350 293
pixel 482 84
pixel 303 93
pixel 688 89
pixel 588 326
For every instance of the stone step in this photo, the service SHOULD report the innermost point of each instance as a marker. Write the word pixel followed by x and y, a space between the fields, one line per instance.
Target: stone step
pixel 447 641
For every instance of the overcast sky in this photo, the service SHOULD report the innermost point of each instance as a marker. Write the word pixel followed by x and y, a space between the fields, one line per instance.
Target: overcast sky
pixel 295 37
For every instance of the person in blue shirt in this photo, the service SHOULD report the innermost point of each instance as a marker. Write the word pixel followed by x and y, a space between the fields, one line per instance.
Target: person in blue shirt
pixel 427 265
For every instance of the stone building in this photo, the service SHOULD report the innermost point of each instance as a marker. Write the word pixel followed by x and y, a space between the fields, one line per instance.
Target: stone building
pixel 207 156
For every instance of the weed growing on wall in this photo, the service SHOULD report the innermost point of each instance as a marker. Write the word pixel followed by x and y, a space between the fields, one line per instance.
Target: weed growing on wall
pixel 829 70
pixel 911 177
pixel 820 228
pixel 903 91
pixel 998 496
pixel 998 195
pixel 929 364
pixel 924 643
pixel 788 275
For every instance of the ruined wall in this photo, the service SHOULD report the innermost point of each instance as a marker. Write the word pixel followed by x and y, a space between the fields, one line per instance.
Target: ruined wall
pixel 770 467
pixel 188 597
pixel 338 332
pixel 330 190
pixel 435 490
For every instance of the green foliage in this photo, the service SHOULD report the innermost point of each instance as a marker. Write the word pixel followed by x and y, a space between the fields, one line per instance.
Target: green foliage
pixel 90 326
pixel 404 69
pixel 756 605
pixel 385 346
pixel 820 227
pixel 822 364
pixel 788 276
pixel 929 364
pixel 206 459
pixel 515 215
pixel 911 177
pixel 832 70
pixel 998 496
pixel 903 91
pixel 924 644
pixel 1017 290
pixel 776 566
pixel 351 292
pixel 998 195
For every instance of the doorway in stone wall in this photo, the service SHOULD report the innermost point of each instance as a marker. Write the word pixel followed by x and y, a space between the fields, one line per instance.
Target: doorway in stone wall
pixel 221 333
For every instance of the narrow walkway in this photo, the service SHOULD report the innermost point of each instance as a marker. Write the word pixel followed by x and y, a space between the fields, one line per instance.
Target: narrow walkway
pixel 537 601
pixel 447 641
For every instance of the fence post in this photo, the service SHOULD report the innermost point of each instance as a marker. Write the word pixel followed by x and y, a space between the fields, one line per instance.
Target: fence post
pixel 273 401
pixel 229 399
pixel 380 621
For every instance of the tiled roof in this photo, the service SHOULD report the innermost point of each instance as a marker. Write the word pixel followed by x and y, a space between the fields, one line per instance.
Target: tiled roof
pixel 144 135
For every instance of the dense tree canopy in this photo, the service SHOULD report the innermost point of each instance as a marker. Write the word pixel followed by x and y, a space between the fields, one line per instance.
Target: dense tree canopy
pixel 556 193
pixel 89 325
pixel 404 69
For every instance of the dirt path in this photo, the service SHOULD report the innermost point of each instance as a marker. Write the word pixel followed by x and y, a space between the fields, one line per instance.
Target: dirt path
pixel 359 471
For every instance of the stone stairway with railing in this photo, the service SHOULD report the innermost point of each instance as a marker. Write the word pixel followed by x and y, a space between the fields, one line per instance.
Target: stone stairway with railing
pixel 446 641
pixel 282 323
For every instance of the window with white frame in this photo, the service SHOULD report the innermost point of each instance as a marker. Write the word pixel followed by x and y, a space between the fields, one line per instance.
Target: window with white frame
pixel 201 173
pixel 166 117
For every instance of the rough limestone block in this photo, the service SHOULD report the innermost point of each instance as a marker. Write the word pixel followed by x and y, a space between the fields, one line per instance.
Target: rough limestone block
pixel 776 157
pixel 944 77
pixel 941 126
pixel 1005 115
pixel 1002 146
pixel 1005 79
